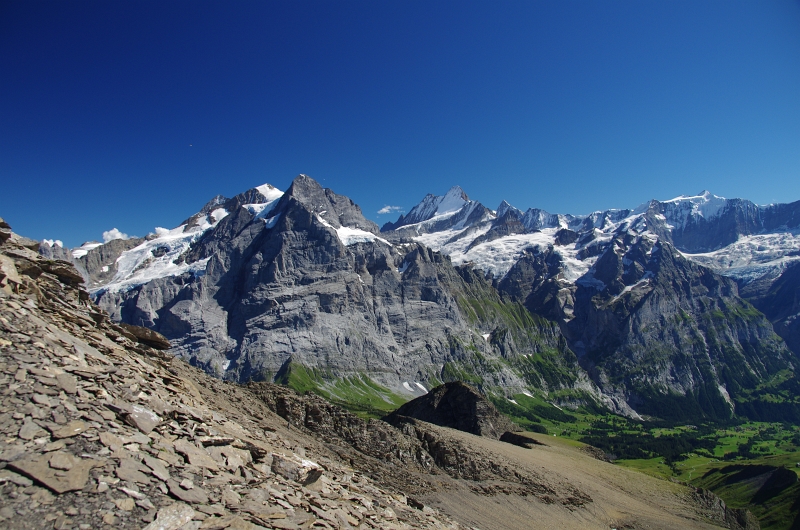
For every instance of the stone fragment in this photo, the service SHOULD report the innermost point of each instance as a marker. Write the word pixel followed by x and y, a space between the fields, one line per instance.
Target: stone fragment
pixel 172 517
pixel 9 476
pixel 110 519
pixel 228 522
pixel 132 493
pixel 43 400
pixel 160 407
pixel 38 468
pixel 212 509
pixel 148 337
pixel 30 430
pixel 195 455
pixel 195 495
pixel 230 497
pixel 261 510
pixel 73 428
pixel 229 456
pixel 106 414
pixel 132 471
pixel 62 460
pixel 136 437
pixel 127 504
pixel 143 419
pixel 157 467
pixel 297 469
pixel 8 271
pixel 111 441
pixel 68 383
pixel 12 453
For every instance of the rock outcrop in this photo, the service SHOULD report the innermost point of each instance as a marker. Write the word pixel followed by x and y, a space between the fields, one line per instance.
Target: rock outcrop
pixel 458 406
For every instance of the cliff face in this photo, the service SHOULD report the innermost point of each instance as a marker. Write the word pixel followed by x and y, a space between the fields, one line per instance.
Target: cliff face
pixel 665 335
pixel 312 282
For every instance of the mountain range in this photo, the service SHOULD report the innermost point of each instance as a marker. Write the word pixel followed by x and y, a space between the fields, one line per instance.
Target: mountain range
pixel 679 309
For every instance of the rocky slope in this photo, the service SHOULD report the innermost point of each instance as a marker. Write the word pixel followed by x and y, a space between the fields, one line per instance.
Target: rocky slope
pixel 103 431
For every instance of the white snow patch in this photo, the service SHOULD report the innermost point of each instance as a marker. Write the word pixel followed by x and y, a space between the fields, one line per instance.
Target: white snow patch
pixel 270 192
pixel 486 336
pixel 105 268
pixel 351 236
pixel 226 364
pixel 260 210
pixel 753 256
pixel 645 279
pixel 53 242
pixel 419 385
pixel 155 258
pixel 269 223
pixel 407 386
pixel 219 214
pixel 527 393
pixel 512 401
pixel 84 249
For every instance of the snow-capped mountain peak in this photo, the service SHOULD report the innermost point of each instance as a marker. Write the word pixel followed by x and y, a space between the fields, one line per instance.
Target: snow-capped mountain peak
pixel 161 253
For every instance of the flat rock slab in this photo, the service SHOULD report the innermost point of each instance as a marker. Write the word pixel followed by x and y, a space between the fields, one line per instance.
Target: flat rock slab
pixel 172 517
pixel 68 383
pixel 195 455
pixel 30 430
pixel 38 468
pixel 157 467
pixel 143 419
pixel 195 495
pixel 73 428
pixel 132 471
pixel 297 469
pixel 262 511
pixel 229 522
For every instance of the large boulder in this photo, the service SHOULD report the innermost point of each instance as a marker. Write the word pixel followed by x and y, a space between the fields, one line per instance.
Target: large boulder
pixel 458 406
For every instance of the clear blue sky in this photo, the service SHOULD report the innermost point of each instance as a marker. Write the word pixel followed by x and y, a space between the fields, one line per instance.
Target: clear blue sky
pixel 134 114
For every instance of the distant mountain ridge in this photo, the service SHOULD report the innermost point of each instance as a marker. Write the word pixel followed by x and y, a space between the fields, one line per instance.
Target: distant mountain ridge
pixel 617 307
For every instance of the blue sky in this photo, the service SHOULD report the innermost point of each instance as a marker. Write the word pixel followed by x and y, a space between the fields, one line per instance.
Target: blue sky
pixel 134 114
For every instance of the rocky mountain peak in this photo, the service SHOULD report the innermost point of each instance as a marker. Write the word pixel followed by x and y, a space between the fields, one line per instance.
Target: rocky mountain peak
pixel 504 208
pixel 333 209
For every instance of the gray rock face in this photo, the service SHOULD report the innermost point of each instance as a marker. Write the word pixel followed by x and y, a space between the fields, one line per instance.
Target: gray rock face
pixel 651 327
pixel 302 289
